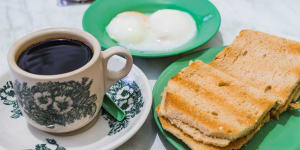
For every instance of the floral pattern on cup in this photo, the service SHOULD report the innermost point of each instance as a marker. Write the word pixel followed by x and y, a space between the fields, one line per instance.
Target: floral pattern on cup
pixel 125 93
pixel 56 103
pixel 62 104
pixel 43 100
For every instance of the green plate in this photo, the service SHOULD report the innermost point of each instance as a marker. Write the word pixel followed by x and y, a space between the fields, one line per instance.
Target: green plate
pixel 282 134
pixel 100 13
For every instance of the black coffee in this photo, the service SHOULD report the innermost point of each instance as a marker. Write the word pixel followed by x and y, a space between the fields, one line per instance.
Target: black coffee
pixel 55 56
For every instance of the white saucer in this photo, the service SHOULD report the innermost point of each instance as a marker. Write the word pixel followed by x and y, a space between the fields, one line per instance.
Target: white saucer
pixel 133 93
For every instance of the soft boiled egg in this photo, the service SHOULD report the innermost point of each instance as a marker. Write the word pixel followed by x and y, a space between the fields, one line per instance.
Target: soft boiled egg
pixel 165 29
pixel 172 25
pixel 128 27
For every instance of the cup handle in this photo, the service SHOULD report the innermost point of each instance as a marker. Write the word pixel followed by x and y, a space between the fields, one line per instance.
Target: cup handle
pixel 110 77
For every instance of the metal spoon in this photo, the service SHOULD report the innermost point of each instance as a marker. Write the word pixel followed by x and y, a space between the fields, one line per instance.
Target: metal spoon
pixel 72 2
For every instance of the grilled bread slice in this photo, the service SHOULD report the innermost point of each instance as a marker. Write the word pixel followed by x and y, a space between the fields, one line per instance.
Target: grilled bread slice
pixel 220 107
pixel 266 62
pixel 198 135
pixel 196 145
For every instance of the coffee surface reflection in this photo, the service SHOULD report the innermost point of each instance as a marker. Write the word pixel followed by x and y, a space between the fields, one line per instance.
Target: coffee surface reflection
pixel 55 56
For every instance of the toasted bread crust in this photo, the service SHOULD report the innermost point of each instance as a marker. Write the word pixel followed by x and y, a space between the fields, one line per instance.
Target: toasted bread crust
pixel 198 135
pixel 196 145
pixel 264 61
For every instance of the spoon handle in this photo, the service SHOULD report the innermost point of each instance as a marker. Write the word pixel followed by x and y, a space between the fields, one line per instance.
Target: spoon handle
pixel 112 108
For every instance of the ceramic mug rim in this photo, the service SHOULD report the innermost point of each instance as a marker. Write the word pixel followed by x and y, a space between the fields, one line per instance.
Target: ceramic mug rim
pixel 52 33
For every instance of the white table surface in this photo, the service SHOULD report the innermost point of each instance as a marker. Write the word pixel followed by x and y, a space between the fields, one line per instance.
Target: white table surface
pixel 20 17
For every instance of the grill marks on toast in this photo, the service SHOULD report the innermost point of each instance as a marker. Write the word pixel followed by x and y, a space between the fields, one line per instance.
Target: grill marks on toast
pixel 214 102
pixel 195 97
pixel 181 109
pixel 234 88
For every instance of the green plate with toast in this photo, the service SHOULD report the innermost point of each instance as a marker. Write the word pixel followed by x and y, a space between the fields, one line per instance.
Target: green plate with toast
pixel 274 135
pixel 101 12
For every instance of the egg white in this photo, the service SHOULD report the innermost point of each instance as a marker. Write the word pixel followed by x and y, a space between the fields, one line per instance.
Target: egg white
pixel 128 27
pixel 163 30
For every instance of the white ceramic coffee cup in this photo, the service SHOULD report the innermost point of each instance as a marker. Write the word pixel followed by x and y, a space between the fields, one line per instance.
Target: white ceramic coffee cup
pixel 64 102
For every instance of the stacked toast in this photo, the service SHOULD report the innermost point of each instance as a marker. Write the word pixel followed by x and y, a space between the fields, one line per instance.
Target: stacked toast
pixel 221 105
